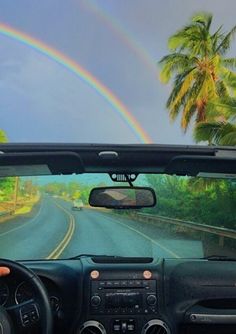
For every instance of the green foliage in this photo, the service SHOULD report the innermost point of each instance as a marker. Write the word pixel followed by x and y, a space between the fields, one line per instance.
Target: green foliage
pixel 3 137
pixel 219 133
pixel 27 188
pixel 220 127
pixel 7 186
pixel 70 191
pixel 199 70
pixel 205 201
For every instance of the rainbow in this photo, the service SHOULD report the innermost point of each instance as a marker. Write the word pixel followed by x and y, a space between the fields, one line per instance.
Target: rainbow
pixel 124 35
pixel 82 73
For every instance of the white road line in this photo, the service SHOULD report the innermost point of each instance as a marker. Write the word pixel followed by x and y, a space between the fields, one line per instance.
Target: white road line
pixel 150 239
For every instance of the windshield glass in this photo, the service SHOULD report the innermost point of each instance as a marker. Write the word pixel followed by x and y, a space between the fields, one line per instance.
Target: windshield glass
pixel 118 71
pixel 48 217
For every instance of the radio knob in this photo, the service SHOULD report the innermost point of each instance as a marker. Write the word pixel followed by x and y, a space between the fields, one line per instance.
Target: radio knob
pixel 95 301
pixel 151 300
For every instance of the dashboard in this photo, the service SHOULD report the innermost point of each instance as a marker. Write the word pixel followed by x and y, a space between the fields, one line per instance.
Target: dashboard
pixel 104 295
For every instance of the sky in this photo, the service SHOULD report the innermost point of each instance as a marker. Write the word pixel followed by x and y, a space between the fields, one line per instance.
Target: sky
pixel 118 42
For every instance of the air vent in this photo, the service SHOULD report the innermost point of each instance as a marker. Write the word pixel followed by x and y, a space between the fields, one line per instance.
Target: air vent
pixel 156 327
pixel 92 327
pixel 121 259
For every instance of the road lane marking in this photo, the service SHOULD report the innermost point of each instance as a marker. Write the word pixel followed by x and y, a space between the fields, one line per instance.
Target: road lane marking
pixel 150 239
pixel 67 238
pixel 19 227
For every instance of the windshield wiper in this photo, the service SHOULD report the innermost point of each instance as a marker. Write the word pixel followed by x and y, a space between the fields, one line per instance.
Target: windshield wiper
pixel 219 258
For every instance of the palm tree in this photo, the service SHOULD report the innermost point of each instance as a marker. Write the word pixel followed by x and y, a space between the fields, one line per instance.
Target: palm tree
pixel 220 126
pixel 201 73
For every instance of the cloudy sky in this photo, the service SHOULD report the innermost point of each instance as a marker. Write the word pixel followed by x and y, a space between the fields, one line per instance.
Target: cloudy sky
pixel 118 42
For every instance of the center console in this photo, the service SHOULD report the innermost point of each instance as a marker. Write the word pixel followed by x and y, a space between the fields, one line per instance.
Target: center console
pixel 123 302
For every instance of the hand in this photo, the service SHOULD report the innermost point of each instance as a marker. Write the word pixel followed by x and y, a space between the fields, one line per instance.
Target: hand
pixel 4 271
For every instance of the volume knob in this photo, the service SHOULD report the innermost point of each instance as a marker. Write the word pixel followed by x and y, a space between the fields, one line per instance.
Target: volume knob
pixel 95 301
pixel 151 300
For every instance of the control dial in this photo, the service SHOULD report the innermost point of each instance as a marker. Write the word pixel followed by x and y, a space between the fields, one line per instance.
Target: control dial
pixel 95 301
pixel 151 300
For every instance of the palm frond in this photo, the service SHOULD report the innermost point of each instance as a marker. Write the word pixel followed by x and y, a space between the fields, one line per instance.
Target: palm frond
pixel 175 62
pixel 221 109
pixel 3 137
pixel 228 76
pixel 203 18
pixel 216 38
pixel 225 43
pixel 183 89
pixel 188 112
pixel 220 133
pixel 222 89
pixel 229 139
pixel 229 63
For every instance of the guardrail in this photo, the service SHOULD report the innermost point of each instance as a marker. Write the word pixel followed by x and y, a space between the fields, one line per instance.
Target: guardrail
pixel 221 232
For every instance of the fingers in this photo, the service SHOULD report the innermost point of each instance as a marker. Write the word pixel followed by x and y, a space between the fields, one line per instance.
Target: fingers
pixel 4 271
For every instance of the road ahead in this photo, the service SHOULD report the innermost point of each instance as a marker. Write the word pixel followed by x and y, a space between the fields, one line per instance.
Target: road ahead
pixel 53 230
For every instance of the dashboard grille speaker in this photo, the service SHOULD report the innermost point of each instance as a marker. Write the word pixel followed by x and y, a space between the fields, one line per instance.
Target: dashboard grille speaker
pixel 92 327
pixel 156 327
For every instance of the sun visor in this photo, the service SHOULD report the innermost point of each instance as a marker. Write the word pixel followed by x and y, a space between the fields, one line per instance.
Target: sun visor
pixel 197 165
pixel 40 163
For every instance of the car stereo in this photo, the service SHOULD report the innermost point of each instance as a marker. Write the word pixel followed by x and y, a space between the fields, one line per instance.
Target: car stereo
pixel 123 297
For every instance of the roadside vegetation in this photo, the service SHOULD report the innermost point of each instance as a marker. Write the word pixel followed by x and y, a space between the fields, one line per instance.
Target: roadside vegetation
pixel 17 196
pixel 205 201
pixel 68 191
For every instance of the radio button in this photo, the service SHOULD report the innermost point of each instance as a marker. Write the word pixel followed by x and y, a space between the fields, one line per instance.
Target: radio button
pixel 117 326
pixel 109 284
pixel 124 283
pixel 138 283
pixel 131 283
pixel 131 326
pixel 116 284
pixel 123 326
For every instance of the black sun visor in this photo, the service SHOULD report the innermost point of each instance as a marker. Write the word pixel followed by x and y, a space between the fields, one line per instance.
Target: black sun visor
pixel 200 165
pixel 40 163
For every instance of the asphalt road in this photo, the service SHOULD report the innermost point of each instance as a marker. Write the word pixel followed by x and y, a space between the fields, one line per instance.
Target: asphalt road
pixel 54 230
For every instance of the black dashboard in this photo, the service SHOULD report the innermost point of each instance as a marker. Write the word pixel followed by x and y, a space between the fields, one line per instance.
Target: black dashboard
pixel 117 295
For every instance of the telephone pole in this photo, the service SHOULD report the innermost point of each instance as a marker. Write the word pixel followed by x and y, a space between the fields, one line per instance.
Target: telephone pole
pixel 15 193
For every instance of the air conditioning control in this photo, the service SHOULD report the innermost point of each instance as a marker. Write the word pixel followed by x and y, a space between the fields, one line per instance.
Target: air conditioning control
pixel 151 300
pixel 95 301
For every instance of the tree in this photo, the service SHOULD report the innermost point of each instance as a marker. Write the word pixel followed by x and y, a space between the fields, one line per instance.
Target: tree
pixel 199 68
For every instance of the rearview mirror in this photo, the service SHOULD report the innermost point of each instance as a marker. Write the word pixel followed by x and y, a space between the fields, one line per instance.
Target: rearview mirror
pixel 122 197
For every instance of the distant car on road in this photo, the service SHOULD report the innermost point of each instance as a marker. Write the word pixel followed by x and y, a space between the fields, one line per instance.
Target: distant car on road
pixel 77 205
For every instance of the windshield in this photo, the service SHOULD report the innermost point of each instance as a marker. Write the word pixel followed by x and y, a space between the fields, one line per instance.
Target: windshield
pixel 96 71
pixel 48 217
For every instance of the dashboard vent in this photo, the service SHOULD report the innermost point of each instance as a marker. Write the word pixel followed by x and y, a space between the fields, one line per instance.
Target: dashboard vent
pixel 155 327
pixel 121 259
pixel 92 327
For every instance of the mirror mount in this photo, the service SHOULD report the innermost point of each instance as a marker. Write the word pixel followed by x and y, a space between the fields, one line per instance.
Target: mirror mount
pixel 129 178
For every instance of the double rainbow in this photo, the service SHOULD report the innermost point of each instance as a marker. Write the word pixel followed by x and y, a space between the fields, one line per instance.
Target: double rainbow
pixel 83 74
